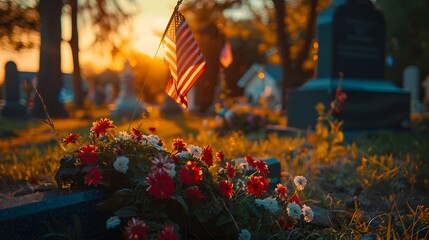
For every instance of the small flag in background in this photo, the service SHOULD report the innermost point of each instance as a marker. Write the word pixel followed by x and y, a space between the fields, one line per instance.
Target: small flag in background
pixel 184 59
pixel 225 57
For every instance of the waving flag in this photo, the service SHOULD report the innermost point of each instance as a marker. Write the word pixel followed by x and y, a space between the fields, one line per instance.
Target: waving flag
pixel 225 57
pixel 184 59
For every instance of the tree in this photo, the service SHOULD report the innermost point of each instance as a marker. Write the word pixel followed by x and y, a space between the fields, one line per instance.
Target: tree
pixel 19 24
pixel 20 19
pixel 108 17
pixel 49 77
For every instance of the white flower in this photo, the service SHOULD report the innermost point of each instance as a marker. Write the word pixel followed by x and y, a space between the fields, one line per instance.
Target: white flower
pixel 153 140
pixel 268 203
pixel 113 222
pixel 308 213
pixel 194 150
pixel 123 135
pixel 244 235
pixel 259 202
pixel 293 210
pixel 300 182
pixel 162 164
pixel 244 166
pixel 241 184
pixel 271 204
pixel 182 154
pixel 121 164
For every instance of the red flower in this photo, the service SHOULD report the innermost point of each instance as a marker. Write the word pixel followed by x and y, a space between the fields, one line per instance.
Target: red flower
pixel 93 177
pixel 72 138
pixel 257 185
pixel 262 167
pixel 179 145
pixel 167 233
pixel 152 129
pixel 175 159
pixel 281 191
pixel 194 195
pixel 137 135
pixel 250 161
pixel 161 186
pixel 296 200
pixel 207 156
pixel 230 170
pixel 88 155
pixel 220 156
pixel 191 174
pixel 100 127
pixel 226 189
pixel 136 229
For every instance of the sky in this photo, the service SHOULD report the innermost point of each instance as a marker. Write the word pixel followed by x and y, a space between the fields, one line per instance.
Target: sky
pixel 153 17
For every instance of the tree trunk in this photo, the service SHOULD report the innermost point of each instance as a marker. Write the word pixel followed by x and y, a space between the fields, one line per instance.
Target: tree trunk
pixel 284 45
pixel 308 38
pixel 50 76
pixel 74 45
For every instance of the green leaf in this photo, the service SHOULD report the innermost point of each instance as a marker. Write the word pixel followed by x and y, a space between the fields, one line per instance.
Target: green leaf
pixel 127 211
pixel 223 219
pixel 182 202
pixel 252 208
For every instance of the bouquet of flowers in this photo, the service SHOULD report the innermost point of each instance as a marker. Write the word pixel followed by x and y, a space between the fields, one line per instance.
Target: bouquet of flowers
pixel 186 191
pixel 244 118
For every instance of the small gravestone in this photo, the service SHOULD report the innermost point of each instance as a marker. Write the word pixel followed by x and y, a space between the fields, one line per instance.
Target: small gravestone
pixel 127 101
pixel 351 37
pixel 411 80
pixel 13 108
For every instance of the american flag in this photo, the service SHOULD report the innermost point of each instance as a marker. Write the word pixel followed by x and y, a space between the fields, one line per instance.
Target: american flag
pixel 184 59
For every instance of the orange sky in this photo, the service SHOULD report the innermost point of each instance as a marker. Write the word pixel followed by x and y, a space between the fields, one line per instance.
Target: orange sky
pixel 154 16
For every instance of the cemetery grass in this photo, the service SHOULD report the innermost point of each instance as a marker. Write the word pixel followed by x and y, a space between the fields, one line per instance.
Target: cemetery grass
pixel 373 187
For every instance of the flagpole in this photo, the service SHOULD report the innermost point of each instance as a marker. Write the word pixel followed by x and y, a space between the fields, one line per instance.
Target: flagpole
pixel 176 8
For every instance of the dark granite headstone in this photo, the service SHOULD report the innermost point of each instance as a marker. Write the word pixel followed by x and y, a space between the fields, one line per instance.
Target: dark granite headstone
pixel 13 108
pixel 71 213
pixel 351 36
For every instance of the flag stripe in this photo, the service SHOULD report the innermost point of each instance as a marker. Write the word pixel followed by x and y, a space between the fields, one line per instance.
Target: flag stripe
pixel 184 59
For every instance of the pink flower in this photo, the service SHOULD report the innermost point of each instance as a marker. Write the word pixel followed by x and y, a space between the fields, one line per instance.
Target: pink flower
pixel 100 127
pixel 162 165
pixel 136 229
pixel 161 186
pixel 93 177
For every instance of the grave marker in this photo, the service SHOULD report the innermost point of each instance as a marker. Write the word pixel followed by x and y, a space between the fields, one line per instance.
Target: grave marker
pixel 351 36
pixel 13 108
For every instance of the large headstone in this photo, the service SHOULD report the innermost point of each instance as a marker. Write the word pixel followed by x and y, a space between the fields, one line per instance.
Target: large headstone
pixel 13 108
pixel 351 37
pixel 127 101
